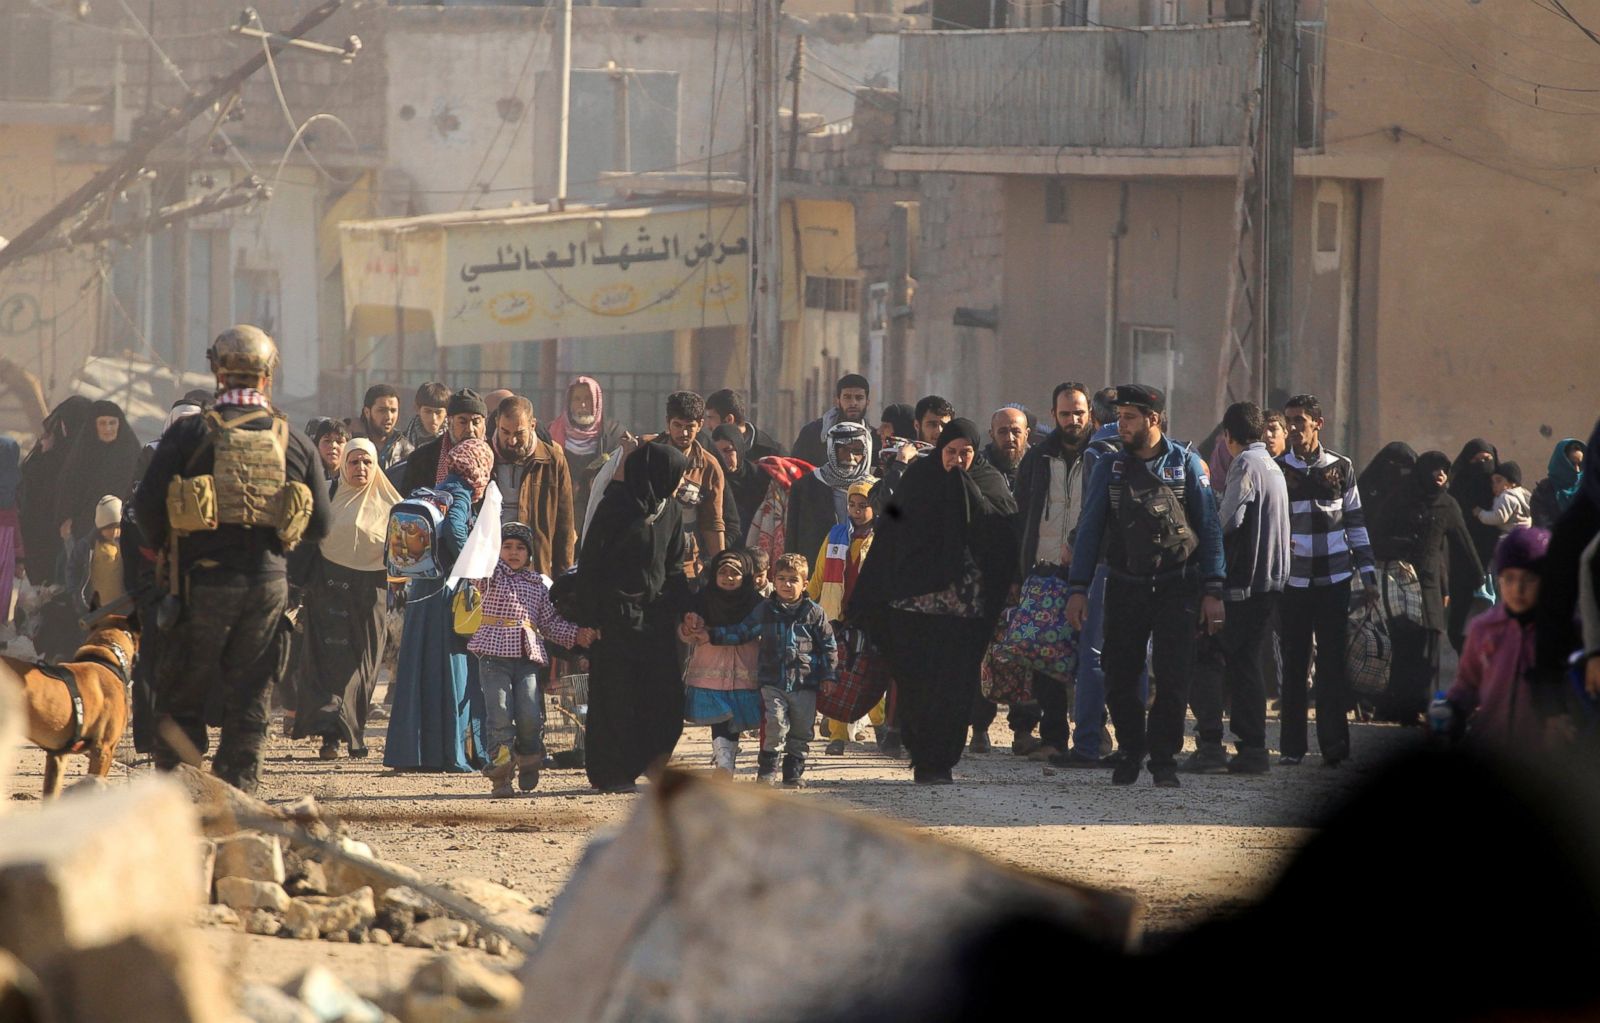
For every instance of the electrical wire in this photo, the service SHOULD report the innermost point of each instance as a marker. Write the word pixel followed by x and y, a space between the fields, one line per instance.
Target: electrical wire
pixel 297 132
pixel 516 92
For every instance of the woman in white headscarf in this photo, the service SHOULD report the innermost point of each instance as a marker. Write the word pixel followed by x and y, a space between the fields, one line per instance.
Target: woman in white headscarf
pixel 344 610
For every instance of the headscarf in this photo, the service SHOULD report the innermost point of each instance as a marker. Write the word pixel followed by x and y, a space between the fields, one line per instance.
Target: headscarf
pixel 10 471
pixel 94 468
pixel 624 555
pixel 66 421
pixel 1384 475
pixel 1589 482
pixel 359 523
pixel 1428 463
pixel 180 411
pixel 1563 475
pixel 902 417
pixel 835 473
pixel 1469 480
pixel 473 462
pixel 729 607
pixel 580 440
pixel 932 518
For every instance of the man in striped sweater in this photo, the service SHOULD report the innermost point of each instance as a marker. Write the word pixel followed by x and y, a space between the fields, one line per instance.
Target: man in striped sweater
pixel 1328 545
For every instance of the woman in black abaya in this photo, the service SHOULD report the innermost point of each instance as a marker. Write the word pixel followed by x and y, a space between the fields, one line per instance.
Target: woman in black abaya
pixel 1471 486
pixel 101 461
pixel 631 587
pixel 38 496
pixel 944 557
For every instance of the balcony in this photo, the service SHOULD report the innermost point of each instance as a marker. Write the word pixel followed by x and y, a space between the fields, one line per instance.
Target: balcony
pixel 1071 91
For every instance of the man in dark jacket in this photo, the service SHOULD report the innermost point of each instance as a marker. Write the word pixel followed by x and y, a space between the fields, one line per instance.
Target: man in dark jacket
pixel 1047 488
pixel 233 629
pixel 728 408
pixel 380 421
pixel 1151 506
pixel 849 405
pixel 467 417
pixel 1008 441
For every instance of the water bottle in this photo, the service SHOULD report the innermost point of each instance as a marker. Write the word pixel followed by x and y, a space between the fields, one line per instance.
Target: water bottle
pixel 1440 714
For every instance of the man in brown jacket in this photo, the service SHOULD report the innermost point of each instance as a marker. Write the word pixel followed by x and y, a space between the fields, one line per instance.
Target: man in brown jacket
pixel 535 486
pixel 703 484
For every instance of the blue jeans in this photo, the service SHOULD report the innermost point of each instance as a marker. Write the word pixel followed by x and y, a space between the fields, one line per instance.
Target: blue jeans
pixel 514 711
pixel 1089 700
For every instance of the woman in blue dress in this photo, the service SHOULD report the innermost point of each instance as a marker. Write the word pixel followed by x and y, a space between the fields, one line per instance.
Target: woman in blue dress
pixel 437 721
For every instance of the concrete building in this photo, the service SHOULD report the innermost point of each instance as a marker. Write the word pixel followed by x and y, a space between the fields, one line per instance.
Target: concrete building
pixel 1078 183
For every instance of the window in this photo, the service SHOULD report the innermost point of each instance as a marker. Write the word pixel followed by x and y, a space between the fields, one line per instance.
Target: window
pixel 1327 226
pixel 833 294
pixel 1153 356
pixel 1055 201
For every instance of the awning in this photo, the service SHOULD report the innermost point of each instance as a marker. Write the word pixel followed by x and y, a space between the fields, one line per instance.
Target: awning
pixel 528 273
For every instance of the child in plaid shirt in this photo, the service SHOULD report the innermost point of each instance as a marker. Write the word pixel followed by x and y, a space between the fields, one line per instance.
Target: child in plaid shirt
pixel 511 656
pixel 798 654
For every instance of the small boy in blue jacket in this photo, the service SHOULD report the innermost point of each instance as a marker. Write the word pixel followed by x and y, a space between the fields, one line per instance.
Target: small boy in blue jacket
pixel 798 654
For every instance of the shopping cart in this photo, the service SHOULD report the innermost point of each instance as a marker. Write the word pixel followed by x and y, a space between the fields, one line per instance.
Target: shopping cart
pixel 566 711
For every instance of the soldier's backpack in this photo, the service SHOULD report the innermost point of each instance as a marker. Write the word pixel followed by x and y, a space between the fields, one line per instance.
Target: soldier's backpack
pixel 412 551
pixel 1155 529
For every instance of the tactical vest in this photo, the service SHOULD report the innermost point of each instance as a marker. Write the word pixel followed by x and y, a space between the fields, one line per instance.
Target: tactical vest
pixel 248 483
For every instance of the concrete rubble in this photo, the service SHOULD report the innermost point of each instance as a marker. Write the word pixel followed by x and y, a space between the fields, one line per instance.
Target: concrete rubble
pixel 97 897
pixel 754 878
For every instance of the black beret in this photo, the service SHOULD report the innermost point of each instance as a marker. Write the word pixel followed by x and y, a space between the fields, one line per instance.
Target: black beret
pixel 1143 396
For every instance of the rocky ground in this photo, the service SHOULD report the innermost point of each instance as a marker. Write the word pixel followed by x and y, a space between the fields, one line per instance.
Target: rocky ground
pixel 1184 853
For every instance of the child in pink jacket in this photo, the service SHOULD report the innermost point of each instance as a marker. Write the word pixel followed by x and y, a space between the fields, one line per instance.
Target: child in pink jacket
pixel 1491 689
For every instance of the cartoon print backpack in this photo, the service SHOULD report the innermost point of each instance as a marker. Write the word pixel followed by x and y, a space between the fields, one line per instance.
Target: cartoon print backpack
pixel 414 526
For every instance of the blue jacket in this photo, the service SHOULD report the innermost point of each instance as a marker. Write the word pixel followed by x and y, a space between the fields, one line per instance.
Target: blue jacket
pixel 797 646
pixel 1180 468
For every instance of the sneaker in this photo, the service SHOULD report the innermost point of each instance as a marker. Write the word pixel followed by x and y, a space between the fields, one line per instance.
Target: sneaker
pixel 835 748
pixel 1126 771
pixel 1250 761
pixel 767 767
pixel 1207 759
pixel 980 743
pixel 1164 777
pixel 1026 746
pixel 1290 760
pixel 794 769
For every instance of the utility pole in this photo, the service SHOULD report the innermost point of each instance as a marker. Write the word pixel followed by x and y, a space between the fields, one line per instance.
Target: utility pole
pixel 766 289
pixel 797 71
pixel 1279 130
pixel 139 149
pixel 564 102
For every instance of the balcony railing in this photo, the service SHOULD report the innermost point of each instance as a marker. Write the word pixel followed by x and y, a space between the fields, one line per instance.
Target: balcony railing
pixel 1153 88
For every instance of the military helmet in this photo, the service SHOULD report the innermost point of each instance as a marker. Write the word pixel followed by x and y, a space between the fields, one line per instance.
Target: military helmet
pixel 243 349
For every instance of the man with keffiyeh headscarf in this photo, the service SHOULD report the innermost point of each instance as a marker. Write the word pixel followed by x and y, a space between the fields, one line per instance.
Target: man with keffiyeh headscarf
pixel 819 500
pixel 585 435
pixel 467 417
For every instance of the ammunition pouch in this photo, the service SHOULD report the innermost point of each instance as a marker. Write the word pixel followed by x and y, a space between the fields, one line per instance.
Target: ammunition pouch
pixel 294 505
pixel 192 504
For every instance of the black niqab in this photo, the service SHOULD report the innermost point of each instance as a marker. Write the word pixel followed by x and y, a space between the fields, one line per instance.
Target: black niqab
pixel 38 494
pixel 1385 474
pixel 1472 488
pixel 626 546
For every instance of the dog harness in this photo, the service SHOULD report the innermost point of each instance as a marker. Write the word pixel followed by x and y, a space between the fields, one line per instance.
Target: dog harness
pixel 61 673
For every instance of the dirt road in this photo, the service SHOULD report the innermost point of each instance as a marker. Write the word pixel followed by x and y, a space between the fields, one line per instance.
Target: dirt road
pixel 1184 852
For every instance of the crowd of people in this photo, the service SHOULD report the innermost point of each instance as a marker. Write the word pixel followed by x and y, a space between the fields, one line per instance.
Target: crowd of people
pixel 910 574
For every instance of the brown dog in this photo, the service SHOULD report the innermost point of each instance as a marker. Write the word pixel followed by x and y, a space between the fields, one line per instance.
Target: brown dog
pixel 100 668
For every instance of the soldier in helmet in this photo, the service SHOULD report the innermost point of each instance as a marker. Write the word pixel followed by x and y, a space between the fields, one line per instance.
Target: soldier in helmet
pixel 226 495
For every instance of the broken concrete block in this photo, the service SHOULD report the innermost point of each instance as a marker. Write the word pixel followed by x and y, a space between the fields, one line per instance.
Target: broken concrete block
pixel 208 867
pixel 224 810
pixel 263 1003
pixel 251 855
pixel 440 932
pixel 345 876
pixel 491 897
pixel 408 898
pixel 754 878
pixel 218 916
pixel 324 915
pixel 308 879
pixel 262 921
pixel 477 991
pixel 331 999
pixel 308 815
pixel 243 894
pixel 379 936
pixel 97 898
